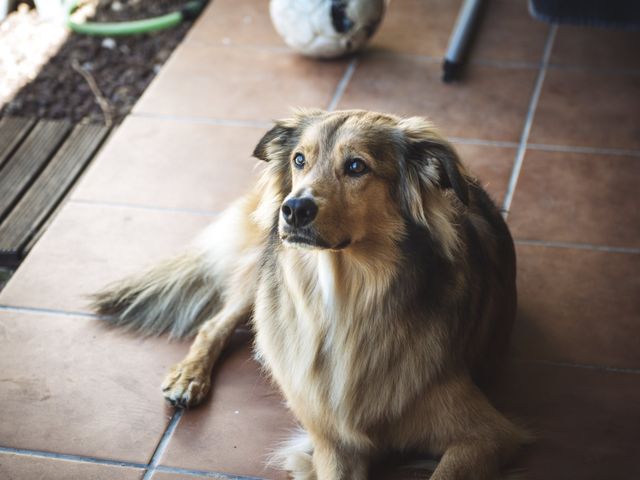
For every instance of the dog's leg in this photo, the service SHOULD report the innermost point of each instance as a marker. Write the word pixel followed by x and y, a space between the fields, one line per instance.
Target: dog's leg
pixel 188 382
pixel 476 439
pixel 331 462
pixel 468 461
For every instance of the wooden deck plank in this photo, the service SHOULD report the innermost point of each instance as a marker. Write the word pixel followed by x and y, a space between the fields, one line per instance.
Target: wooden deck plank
pixel 29 160
pixel 31 212
pixel 12 132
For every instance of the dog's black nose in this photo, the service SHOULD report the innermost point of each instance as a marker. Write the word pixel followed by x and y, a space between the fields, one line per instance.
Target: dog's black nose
pixel 299 212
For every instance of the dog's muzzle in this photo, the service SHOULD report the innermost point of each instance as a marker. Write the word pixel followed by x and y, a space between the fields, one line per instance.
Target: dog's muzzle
pixel 299 212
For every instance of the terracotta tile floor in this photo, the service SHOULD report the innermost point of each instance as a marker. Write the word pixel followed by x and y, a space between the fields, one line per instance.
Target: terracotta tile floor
pixel 548 118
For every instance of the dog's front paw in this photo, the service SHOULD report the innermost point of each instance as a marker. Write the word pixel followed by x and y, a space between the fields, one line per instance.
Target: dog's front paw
pixel 186 385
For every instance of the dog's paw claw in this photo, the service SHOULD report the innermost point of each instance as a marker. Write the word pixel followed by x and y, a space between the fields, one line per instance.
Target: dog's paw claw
pixel 186 386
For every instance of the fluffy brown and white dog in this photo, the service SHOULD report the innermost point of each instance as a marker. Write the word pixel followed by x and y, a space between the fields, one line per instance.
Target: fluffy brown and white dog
pixel 380 281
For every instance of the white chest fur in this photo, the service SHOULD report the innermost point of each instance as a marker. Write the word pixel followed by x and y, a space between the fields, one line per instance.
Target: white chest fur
pixel 314 331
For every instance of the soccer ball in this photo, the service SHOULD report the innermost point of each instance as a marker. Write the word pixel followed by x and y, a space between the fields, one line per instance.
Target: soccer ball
pixel 326 28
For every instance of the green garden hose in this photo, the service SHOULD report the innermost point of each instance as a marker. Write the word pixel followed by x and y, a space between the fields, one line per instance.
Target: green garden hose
pixel 133 27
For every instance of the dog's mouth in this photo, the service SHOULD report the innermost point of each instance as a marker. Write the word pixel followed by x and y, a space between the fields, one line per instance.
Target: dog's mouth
pixel 305 239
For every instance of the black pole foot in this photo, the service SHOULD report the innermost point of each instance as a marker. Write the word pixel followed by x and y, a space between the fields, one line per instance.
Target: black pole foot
pixel 450 71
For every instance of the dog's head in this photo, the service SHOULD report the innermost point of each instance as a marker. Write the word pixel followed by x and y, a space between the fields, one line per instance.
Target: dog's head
pixel 347 177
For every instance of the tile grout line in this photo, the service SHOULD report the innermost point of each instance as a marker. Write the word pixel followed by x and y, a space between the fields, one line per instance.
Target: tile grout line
pixel 48 311
pixel 204 473
pixel 103 203
pixel 582 366
pixel 342 84
pixel 482 143
pixel 595 69
pixel 72 458
pixel 119 463
pixel 533 104
pixel 578 246
pixel 163 443
pixel 588 150
pixel 71 313
pixel 505 64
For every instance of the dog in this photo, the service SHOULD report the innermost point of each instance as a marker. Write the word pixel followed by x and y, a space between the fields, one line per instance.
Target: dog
pixel 379 279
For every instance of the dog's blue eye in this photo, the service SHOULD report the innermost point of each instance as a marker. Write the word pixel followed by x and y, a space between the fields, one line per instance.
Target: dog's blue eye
pixel 356 167
pixel 299 161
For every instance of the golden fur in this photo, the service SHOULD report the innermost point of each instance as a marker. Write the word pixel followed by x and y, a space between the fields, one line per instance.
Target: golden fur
pixel 378 320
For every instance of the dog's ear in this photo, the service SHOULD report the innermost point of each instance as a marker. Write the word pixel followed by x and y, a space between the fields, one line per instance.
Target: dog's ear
pixel 284 134
pixel 274 139
pixel 431 159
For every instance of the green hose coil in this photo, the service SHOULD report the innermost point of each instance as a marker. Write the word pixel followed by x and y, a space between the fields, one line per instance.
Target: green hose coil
pixel 133 27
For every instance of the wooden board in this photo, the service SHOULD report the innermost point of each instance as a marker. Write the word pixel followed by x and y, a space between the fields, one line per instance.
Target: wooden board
pixel 12 132
pixel 32 210
pixel 29 160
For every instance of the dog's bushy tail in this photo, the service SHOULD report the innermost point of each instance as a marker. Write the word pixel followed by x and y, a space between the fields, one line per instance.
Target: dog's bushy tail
pixel 175 297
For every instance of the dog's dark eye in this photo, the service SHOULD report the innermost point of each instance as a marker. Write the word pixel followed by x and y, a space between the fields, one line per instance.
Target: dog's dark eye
pixel 356 167
pixel 299 161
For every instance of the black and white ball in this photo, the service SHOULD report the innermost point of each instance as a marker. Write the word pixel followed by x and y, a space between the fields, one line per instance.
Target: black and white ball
pixel 326 28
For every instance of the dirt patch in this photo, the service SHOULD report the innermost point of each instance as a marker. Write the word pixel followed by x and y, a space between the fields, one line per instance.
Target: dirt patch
pixel 122 67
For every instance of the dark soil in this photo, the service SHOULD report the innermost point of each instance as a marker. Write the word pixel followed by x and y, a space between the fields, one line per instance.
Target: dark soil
pixel 121 66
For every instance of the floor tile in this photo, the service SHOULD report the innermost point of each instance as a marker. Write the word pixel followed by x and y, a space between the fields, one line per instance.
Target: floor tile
pixel 420 27
pixel 236 23
pixel 490 104
pixel 588 109
pixel 240 425
pixel 423 27
pixel 582 198
pixel 71 385
pixel 239 83
pixel 491 165
pixel 173 164
pixel 15 467
pixel 585 420
pixel 578 306
pixel 88 246
pixel 507 33
pixel 397 472
pixel 596 48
